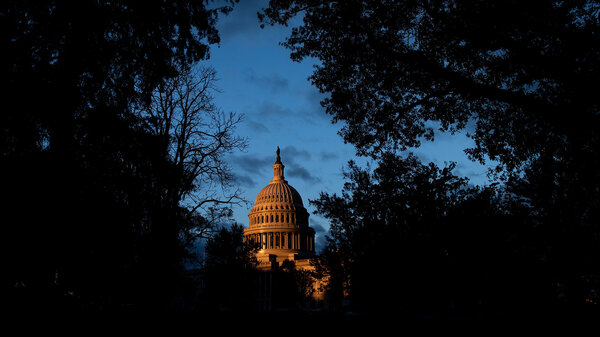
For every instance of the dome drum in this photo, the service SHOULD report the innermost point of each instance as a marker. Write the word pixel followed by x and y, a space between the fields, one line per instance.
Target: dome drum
pixel 283 241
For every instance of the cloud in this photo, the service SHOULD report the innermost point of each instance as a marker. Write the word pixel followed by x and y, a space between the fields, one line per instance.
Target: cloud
pixel 295 153
pixel 257 127
pixel 305 113
pixel 270 109
pixel 318 228
pixel 240 21
pixel 243 180
pixel 275 82
pixel 320 243
pixel 300 172
pixel 313 105
pixel 326 156
pixel 252 164
pixel 320 232
pixel 317 225
pixel 295 160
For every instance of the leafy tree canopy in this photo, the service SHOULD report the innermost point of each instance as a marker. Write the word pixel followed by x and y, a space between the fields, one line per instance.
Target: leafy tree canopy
pixel 521 76
pixel 411 237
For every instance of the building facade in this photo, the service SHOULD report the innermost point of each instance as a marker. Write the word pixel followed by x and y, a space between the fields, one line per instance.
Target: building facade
pixel 278 222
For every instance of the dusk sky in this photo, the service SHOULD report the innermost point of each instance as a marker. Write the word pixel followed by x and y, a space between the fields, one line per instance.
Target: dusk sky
pixel 258 79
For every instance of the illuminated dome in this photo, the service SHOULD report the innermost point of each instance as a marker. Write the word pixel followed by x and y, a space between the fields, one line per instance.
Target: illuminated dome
pixel 279 192
pixel 278 222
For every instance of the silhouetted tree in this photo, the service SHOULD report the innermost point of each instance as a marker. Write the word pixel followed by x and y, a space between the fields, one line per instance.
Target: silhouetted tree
pixel 80 169
pixel 196 135
pixel 521 77
pixel 229 272
pixel 389 66
pixel 294 287
pixel 408 237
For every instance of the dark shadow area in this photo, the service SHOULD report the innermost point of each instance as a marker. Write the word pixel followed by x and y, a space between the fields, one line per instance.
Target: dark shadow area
pixel 522 80
pixel 104 181
pixel 416 242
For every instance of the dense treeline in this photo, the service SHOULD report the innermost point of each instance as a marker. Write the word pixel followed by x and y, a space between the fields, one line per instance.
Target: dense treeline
pixel 521 79
pixel 107 176
pixel 414 238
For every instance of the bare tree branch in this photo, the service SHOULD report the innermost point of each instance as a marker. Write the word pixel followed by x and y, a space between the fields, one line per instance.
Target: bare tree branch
pixel 198 136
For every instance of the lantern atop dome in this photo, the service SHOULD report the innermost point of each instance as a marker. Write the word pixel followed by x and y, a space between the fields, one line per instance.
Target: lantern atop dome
pixel 278 169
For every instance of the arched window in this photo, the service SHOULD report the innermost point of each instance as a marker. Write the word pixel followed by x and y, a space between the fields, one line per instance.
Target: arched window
pixel 287 218
pixel 271 217
pixel 276 217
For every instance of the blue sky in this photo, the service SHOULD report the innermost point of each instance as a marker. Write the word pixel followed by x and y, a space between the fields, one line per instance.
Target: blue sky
pixel 281 108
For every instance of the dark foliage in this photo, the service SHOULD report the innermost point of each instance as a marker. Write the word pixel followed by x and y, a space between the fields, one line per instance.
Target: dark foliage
pixel 86 222
pixel 294 287
pixel 415 239
pixel 230 276
pixel 521 78
pixel 233 285
pixel 527 72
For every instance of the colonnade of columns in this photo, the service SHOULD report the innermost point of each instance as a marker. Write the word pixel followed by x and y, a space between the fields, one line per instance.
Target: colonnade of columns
pixel 283 240
pixel 272 218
